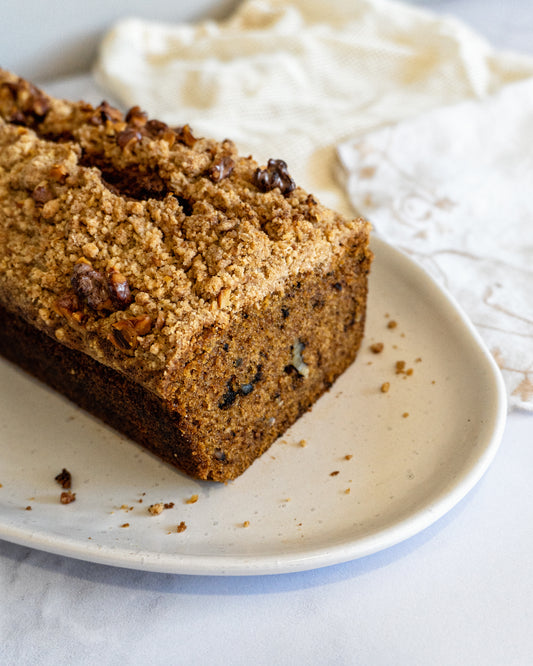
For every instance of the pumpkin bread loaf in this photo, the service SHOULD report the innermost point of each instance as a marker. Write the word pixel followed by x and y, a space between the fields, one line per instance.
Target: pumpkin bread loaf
pixel 187 296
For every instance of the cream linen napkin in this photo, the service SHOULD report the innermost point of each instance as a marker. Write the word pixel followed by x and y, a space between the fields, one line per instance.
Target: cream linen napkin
pixel 294 79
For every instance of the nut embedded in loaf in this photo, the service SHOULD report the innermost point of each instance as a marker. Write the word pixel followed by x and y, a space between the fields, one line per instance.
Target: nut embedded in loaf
pixel 194 299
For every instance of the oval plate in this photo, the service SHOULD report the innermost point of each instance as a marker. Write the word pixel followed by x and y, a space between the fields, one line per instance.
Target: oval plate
pixel 364 470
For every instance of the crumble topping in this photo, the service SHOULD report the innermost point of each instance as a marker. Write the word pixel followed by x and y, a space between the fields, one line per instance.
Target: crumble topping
pixel 124 238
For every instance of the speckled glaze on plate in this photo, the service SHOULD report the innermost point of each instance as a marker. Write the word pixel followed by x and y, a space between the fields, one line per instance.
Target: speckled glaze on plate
pixel 364 470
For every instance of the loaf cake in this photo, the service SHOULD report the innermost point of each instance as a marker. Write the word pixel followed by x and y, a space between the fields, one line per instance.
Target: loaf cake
pixel 186 295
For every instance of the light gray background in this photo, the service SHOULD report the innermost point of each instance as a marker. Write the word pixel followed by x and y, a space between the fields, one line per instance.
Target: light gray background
pixel 460 593
pixel 45 39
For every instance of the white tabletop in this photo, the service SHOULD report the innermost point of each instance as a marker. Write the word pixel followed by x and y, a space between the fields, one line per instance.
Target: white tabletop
pixel 461 592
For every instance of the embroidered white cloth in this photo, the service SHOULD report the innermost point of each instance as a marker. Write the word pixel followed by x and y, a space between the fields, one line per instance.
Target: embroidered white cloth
pixel 452 188
pixel 293 79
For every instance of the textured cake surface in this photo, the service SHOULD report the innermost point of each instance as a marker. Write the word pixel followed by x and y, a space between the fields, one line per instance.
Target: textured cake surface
pixel 215 284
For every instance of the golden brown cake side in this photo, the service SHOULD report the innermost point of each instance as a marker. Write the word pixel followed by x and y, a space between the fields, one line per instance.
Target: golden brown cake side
pixel 215 286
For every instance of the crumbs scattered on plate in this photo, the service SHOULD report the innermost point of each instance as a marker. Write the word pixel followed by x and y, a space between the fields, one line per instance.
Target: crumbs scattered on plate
pixel 67 497
pixel 64 478
pixel 156 509
pixel 396 367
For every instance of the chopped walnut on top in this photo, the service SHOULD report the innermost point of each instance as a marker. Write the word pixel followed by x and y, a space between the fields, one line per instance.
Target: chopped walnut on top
pixel 28 104
pixel 59 173
pixel 221 169
pixel 90 285
pixel 105 113
pixel 275 175
pixel 136 117
pixel 185 135
pixel 99 293
pixel 128 136
pixel 70 307
pixel 42 193
pixel 125 331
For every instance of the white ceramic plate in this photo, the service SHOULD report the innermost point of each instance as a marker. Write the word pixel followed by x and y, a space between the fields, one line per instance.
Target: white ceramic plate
pixel 368 476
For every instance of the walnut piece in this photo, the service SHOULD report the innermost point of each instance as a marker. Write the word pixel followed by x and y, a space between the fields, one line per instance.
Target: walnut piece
pixel 105 113
pixel 142 324
pixel 123 335
pixel 70 307
pixel 221 169
pixel 135 116
pixel 119 289
pixel 90 285
pixel 64 478
pixel 125 332
pixel 128 137
pixel 184 135
pixel 59 173
pixel 275 175
pixel 30 105
pixel 42 193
